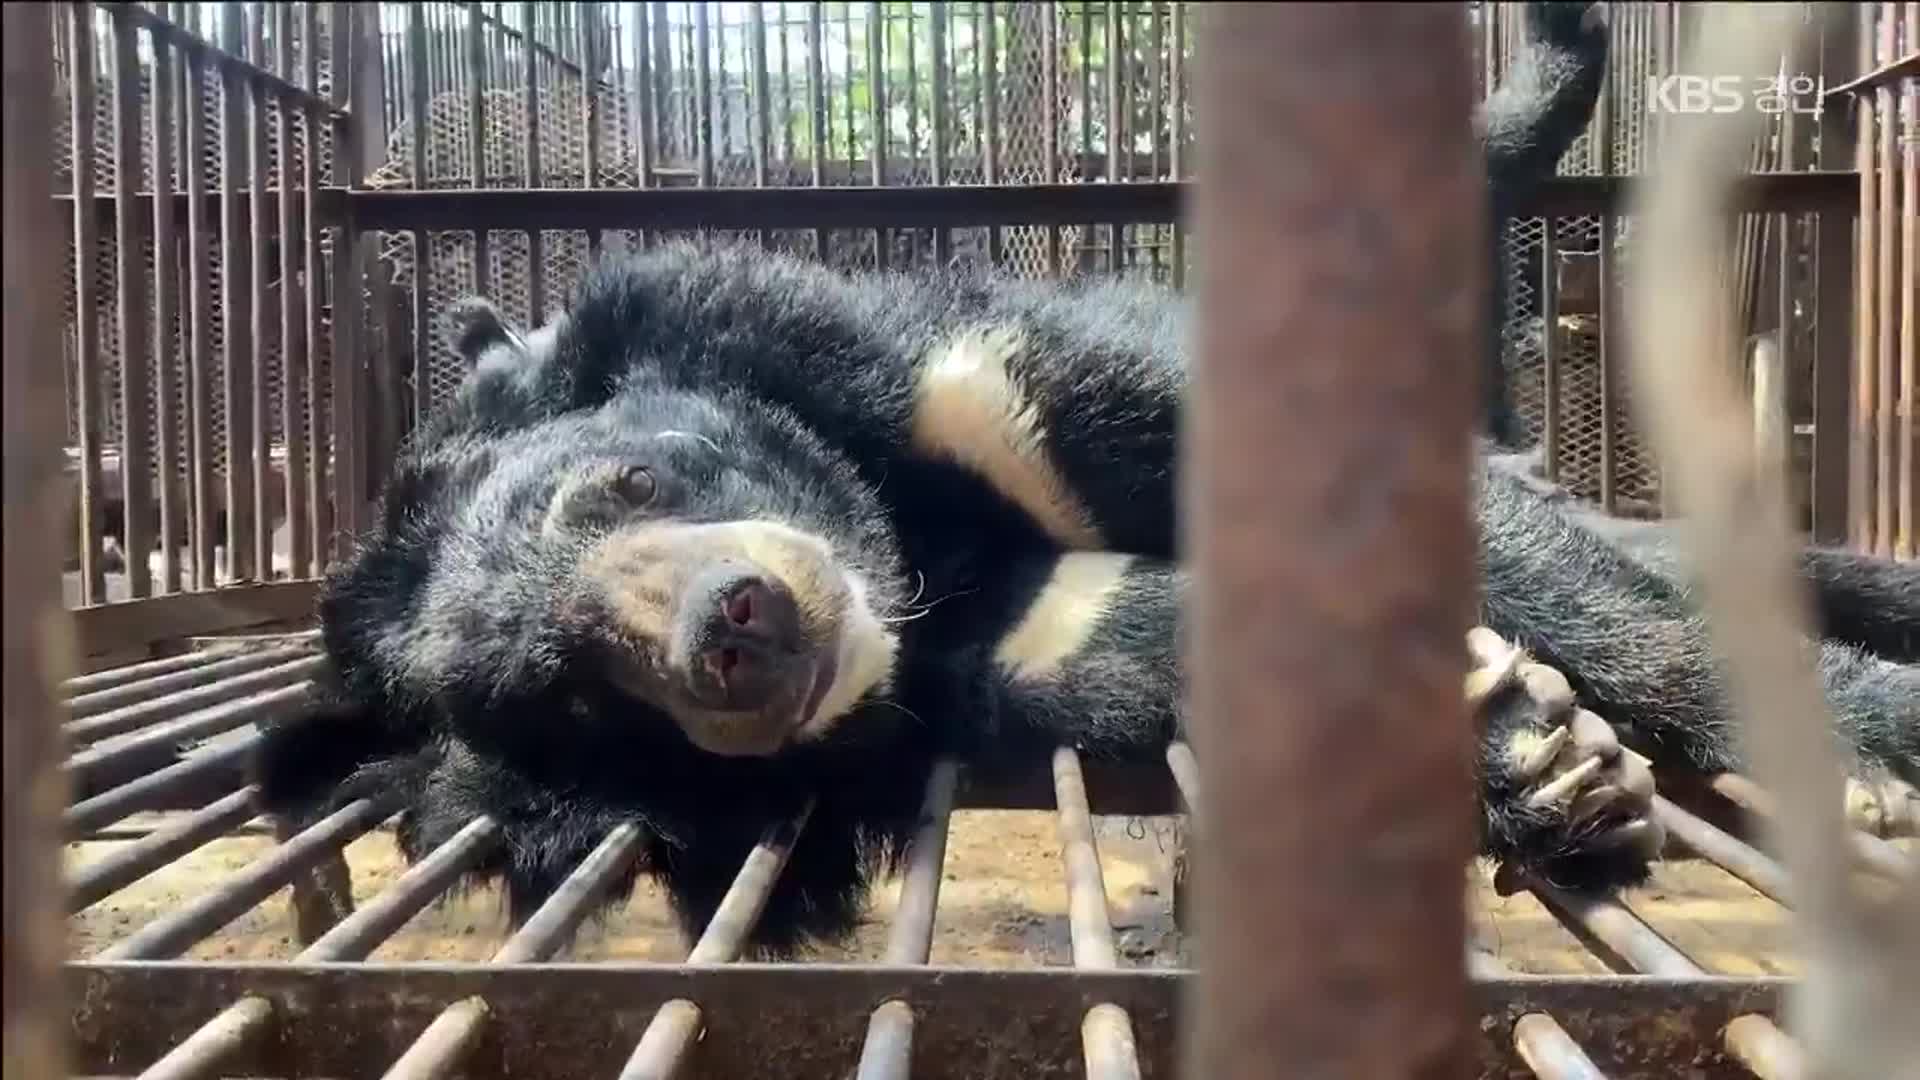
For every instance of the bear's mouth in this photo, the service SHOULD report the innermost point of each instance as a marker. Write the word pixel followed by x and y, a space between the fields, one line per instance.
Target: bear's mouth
pixel 824 672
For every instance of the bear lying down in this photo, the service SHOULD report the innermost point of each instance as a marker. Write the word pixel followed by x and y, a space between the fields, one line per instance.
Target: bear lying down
pixel 738 530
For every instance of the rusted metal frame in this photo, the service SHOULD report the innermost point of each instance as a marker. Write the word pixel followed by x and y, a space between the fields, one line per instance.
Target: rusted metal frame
pixel 1871 852
pixel 260 423
pixel 347 274
pixel 130 863
pixel 212 772
pixel 879 143
pixel 937 16
pixel 477 131
pixel 1331 129
pixel 1886 301
pixel 226 58
pixel 536 243
pixel 166 313
pixel 1866 277
pixel 1119 156
pixel 237 339
pixel 319 494
pixel 1549 347
pixel 1106 1032
pixel 1177 137
pixel 954 206
pixel 990 111
pixel 89 384
pixel 664 1045
pixel 109 629
pixel 174 933
pixel 887 1053
pixel 295 398
pixel 1550 1053
pixel 817 97
pixel 81 706
pixel 766 1017
pixel 145 710
pixel 205 1052
pixel 762 105
pixel 111 678
pixel 199 328
pixel 161 742
pixel 1886 74
pixel 445 1042
pixel 1626 943
pixel 32 426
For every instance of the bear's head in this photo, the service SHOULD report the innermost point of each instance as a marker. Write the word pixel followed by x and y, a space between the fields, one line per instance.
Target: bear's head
pixel 659 563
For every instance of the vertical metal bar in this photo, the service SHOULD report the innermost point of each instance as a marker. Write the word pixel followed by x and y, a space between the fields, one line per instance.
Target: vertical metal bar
pixel 877 118
pixel 166 311
pixel 703 90
pixel 1601 145
pixel 260 421
pixel 1860 456
pixel 1118 150
pixel 590 64
pixel 1833 269
pixel 1349 922
pixel 786 98
pixel 293 326
pixel 1156 129
pixel 1177 134
pixel 937 153
pixel 990 123
pixel 350 420
pixel 536 241
pixel 1549 348
pixel 645 131
pixel 762 106
pixel 236 337
pixel 1909 507
pixel 477 131
pixel 199 327
pixel 817 98
pixel 86 323
pixel 1886 114
pixel 1088 239
pixel 1050 110
pixel 318 496
pixel 36 638
pixel 418 92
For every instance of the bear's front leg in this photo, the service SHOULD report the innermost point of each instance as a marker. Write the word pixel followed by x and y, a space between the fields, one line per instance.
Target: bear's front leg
pixel 1559 796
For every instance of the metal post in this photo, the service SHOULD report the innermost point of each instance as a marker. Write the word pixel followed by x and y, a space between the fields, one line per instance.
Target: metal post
pixel 1327 508
pixel 38 640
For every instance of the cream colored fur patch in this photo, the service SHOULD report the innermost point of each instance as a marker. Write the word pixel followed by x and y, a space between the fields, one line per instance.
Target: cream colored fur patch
pixel 1060 620
pixel 967 409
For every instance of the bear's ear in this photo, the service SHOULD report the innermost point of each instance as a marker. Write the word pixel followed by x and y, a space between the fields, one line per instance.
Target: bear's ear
pixel 477 328
pixel 312 759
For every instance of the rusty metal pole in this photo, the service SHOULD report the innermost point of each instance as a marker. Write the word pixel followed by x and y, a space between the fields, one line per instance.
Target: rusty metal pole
pixel 1339 217
pixel 37 641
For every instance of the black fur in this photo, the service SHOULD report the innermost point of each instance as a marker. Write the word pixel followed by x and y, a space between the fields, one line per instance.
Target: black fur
pixel 471 658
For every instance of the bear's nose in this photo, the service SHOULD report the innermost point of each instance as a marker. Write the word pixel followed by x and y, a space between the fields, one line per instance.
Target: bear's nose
pixel 746 641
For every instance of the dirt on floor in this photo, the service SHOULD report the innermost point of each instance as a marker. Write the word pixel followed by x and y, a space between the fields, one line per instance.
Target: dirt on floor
pixel 1003 903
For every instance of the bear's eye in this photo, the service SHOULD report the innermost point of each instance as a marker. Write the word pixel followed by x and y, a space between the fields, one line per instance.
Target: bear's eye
pixel 636 485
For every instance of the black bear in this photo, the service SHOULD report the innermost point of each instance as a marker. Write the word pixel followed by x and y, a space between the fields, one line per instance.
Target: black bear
pixel 737 532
